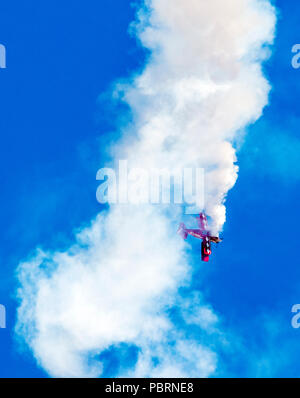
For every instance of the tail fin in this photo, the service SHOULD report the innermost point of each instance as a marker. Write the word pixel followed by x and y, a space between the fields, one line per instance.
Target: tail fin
pixel 182 231
pixel 202 222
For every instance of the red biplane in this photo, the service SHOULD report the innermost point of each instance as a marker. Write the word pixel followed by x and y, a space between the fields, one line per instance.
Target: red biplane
pixel 201 233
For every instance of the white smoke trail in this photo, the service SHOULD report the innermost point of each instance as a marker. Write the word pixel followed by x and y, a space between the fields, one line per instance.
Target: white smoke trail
pixel 202 85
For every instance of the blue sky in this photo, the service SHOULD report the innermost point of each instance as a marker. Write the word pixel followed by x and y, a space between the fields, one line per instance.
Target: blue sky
pixel 60 57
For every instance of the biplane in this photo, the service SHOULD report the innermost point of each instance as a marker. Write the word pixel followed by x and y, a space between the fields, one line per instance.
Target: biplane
pixel 201 233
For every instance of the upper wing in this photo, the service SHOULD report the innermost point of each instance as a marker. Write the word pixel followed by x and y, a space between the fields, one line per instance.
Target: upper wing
pixel 197 233
pixel 202 221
